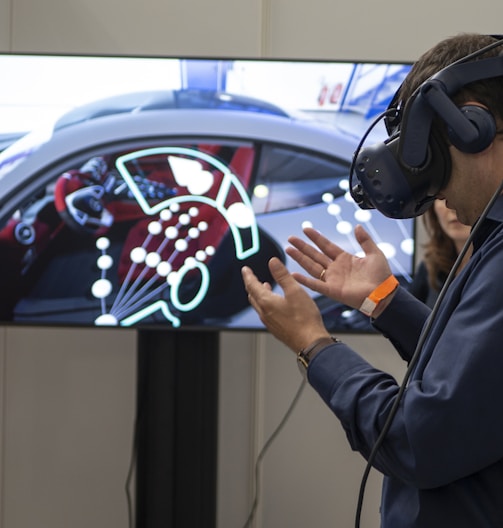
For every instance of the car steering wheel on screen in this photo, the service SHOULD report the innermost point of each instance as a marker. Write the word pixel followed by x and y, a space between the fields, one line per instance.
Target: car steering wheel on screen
pixel 92 198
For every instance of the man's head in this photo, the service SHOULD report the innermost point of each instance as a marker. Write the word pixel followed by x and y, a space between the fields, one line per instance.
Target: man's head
pixel 487 92
pixel 465 171
pixel 445 104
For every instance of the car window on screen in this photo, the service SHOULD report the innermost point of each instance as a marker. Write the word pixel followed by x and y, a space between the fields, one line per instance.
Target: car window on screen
pixel 288 179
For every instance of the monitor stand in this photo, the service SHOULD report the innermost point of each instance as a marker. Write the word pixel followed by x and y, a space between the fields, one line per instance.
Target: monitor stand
pixel 176 428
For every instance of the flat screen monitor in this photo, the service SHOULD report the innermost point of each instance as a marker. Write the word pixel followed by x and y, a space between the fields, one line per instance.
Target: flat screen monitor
pixel 133 189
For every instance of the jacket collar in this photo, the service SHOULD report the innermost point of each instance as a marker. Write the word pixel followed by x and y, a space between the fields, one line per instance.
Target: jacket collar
pixel 493 219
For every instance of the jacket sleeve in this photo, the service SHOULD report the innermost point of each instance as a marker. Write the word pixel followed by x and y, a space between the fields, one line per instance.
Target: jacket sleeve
pixel 448 423
pixel 402 322
pixel 419 287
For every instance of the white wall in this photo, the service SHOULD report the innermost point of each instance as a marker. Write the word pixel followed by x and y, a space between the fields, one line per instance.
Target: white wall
pixel 152 26
pixel 67 396
pixel 391 30
pixel 68 402
pixel 310 477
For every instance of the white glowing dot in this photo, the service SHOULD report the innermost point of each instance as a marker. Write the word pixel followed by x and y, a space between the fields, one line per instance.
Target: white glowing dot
pixel 307 223
pixel 241 215
pixel 106 320
pixel 334 209
pixel 344 185
pixel 104 262
pixel 200 255
pixel 181 245
pixel 190 173
pixel 193 211
pixel 388 249
pixel 166 215
pixel 327 197
pixel 172 278
pixel 184 219
pixel 203 226
pixel 344 227
pixel 348 197
pixel 138 255
pixel 193 232
pixel 190 262
pixel 163 268
pixel 171 232
pixel 101 288
pixel 154 228
pixel 152 259
pixel 210 250
pixel 103 243
pixel 407 246
pixel 261 191
pixel 174 207
pixel 363 215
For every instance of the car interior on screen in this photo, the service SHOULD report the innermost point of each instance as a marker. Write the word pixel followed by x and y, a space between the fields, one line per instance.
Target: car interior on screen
pixel 141 208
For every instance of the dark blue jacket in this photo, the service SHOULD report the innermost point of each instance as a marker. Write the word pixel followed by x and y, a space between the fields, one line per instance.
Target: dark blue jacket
pixel 443 455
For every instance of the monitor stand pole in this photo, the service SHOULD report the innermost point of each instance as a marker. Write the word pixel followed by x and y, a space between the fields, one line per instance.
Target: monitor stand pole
pixel 176 429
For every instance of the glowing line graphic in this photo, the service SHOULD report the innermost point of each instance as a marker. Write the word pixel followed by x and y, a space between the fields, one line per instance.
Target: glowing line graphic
pixel 131 303
pixel 228 179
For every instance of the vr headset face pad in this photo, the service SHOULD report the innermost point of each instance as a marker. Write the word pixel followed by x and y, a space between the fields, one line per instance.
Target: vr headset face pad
pixel 396 188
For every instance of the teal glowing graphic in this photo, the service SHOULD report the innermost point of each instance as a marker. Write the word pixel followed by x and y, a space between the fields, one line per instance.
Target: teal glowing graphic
pixel 177 242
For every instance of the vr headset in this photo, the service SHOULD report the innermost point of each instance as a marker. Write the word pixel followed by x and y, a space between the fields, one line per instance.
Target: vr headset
pixel 401 176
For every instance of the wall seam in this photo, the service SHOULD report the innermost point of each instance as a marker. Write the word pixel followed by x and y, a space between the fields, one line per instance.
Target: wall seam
pixel 11 25
pixel 265 28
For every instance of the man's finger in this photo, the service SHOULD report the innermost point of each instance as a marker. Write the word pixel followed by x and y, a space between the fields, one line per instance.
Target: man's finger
pixel 279 272
pixel 365 240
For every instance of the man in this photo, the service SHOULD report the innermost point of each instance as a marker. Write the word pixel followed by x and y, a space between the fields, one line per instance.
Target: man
pixel 442 456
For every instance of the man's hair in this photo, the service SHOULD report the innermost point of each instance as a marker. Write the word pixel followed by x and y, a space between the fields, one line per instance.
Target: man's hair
pixel 488 92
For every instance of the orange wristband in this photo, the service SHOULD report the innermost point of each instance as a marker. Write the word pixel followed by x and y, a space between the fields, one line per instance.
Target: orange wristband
pixel 381 292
